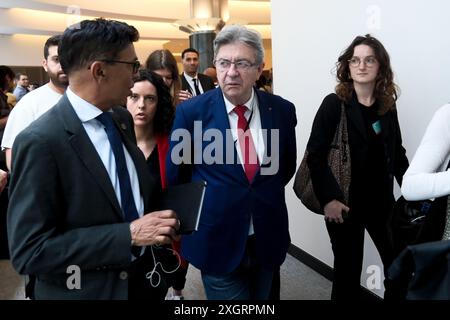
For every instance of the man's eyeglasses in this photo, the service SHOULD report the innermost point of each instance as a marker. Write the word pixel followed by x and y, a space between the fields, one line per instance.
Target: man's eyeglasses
pixel 136 64
pixel 240 65
pixel 369 61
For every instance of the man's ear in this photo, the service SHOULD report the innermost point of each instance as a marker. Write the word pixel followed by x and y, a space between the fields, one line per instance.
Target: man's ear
pixel 97 70
pixel 44 65
pixel 261 68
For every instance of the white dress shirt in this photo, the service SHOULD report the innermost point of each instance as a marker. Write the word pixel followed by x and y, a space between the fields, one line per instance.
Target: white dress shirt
pixel 254 127
pixel 191 83
pixel 87 113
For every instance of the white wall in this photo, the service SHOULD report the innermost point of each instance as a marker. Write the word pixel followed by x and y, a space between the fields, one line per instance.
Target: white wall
pixel 307 38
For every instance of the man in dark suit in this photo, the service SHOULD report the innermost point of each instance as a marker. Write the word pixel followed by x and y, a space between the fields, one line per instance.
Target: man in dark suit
pixel 245 148
pixel 70 219
pixel 192 81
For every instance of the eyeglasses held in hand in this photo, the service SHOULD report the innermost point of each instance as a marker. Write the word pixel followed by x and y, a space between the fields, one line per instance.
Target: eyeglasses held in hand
pixel 368 61
pixel 240 65
pixel 136 64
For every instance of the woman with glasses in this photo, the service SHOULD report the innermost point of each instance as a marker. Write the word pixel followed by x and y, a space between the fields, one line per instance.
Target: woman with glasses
pixel 368 94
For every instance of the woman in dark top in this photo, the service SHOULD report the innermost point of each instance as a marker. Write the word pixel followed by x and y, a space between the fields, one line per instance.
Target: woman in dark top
pixel 152 109
pixel 368 93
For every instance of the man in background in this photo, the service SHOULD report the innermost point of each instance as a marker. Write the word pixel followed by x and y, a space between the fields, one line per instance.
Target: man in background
pixel 192 81
pixel 22 86
pixel 39 101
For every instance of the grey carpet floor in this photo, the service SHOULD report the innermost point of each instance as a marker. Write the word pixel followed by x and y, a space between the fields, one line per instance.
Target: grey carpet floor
pixel 298 282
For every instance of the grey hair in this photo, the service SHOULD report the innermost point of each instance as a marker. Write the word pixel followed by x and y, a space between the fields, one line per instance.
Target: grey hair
pixel 237 33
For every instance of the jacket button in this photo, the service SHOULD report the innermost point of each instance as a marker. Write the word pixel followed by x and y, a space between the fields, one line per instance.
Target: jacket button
pixel 123 275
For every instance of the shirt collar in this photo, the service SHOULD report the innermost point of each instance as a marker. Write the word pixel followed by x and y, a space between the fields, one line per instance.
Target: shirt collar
pixel 85 111
pixel 248 104
pixel 189 78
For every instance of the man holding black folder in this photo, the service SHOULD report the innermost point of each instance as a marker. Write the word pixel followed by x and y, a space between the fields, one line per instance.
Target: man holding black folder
pixel 244 147
pixel 81 210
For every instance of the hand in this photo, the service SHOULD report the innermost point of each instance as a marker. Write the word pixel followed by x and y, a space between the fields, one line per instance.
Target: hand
pixel 3 180
pixel 184 95
pixel 159 227
pixel 333 211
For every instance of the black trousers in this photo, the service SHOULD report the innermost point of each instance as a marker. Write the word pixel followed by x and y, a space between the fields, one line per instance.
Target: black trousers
pixel 347 240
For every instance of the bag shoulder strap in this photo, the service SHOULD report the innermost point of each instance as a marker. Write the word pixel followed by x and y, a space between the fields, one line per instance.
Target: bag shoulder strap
pixel 341 135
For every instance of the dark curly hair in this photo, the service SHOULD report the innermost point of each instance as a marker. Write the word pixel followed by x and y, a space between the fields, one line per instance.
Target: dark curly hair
pixel 163 120
pixel 385 91
pixel 5 71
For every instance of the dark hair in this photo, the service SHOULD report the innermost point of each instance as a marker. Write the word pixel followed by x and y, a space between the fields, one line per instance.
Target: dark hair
pixel 19 74
pixel 163 120
pixel 189 50
pixel 5 71
pixel 164 59
pixel 385 89
pixel 52 41
pixel 92 40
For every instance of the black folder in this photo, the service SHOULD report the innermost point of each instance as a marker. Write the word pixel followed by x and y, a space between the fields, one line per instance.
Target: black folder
pixel 186 200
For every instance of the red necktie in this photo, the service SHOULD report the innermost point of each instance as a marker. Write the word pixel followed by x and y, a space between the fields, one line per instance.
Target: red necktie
pixel 248 150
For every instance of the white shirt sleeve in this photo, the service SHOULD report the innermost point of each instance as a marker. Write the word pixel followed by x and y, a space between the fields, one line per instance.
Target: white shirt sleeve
pixel 19 119
pixel 425 178
pixel 29 108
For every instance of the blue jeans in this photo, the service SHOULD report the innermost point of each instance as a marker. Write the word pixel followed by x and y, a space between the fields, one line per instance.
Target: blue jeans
pixel 248 282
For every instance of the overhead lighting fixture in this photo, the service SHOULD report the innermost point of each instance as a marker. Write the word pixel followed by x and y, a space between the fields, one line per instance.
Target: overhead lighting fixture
pixel 206 15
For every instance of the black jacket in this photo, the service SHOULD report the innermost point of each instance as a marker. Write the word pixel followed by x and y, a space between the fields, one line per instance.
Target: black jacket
pixel 322 134
pixel 206 82
pixel 426 266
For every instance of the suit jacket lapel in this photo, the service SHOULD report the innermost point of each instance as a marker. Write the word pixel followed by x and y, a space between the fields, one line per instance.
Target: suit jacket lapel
pixel 87 153
pixel 185 83
pixel 202 80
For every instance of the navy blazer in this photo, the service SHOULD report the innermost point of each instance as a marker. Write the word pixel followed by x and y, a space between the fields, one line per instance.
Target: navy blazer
pixel 63 210
pixel 230 200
